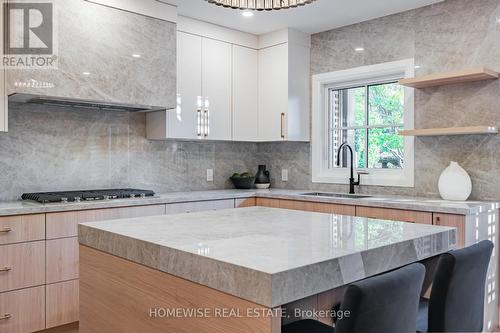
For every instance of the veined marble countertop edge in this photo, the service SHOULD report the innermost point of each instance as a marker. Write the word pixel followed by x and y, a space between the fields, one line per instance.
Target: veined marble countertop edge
pixel 162 243
pixel 9 208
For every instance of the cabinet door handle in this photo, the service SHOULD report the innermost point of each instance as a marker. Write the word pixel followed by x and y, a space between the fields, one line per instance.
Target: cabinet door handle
pixel 5 269
pixel 5 230
pixel 200 125
pixel 6 316
pixel 282 125
pixel 207 123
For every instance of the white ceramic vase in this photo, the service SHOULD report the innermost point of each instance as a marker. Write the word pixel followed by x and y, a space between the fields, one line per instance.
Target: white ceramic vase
pixel 455 183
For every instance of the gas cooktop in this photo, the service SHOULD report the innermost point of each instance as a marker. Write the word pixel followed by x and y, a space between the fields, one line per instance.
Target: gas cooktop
pixel 87 195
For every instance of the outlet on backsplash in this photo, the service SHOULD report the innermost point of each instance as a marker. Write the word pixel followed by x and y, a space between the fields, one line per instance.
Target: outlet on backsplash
pixel 284 175
pixel 210 175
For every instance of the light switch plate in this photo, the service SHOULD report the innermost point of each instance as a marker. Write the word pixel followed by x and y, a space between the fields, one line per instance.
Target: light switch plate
pixel 210 175
pixel 284 175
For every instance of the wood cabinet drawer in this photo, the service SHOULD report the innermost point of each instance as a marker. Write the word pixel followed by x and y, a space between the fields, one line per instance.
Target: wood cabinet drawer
pixel 242 203
pixel 65 224
pixel 454 221
pixel 265 202
pixel 24 310
pixel 62 259
pixel 198 206
pixel 318 207
pixel 22 228
pixel 394 214
pixel 22 265
pixel 62 303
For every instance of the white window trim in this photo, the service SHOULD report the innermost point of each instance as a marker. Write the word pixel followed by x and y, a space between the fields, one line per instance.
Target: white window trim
pixel 321 83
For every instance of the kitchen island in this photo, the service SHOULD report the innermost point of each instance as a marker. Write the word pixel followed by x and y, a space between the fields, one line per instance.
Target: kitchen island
pixel 233 270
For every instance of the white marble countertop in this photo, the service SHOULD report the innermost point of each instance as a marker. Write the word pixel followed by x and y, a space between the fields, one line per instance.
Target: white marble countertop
pixel 398 202
pixel 265 255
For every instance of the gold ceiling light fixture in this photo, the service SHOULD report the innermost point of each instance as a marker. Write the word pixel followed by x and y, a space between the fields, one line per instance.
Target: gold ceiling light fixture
pixel 260 4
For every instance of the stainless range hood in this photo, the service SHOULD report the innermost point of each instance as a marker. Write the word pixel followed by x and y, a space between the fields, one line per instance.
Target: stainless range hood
pixel 82 103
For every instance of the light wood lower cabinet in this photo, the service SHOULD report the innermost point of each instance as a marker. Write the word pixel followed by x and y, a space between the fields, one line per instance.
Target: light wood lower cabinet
pixel 242 203
pixel 454 221
pixel 62 303
pixel 22 228
pixel 22 311
pixel 264 202
pixel 65 224
pixel 318 207
pixel 22 265
pixel 395 214
pixel 62 259
pixel 308 206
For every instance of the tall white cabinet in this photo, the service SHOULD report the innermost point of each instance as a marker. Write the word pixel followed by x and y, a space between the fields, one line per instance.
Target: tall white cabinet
pixel 245 94
pixel 216 88
pixel 182 122
pixel 284 76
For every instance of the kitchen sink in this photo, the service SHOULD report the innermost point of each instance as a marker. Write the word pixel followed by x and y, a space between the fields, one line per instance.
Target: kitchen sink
pixel 336 195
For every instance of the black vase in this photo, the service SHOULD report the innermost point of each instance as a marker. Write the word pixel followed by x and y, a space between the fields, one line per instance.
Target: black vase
pixel 262 176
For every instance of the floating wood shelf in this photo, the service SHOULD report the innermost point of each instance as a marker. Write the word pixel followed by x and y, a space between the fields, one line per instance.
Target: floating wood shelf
pixel 441 79
pixel 450 131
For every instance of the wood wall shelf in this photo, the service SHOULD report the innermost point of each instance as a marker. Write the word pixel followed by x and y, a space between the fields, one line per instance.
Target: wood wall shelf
pixel 450 131
pixel 441 79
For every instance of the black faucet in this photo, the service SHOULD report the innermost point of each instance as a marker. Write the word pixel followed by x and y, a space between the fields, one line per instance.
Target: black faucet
pixel 352 183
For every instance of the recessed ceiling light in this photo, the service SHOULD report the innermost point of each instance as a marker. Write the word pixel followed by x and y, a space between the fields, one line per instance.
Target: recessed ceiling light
pixel 86 73
pixel 247 13
pixel 135 55
pixel 359 49
pixel 418 66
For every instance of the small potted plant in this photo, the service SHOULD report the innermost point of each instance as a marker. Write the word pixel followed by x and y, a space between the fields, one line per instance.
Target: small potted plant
pixel 243 181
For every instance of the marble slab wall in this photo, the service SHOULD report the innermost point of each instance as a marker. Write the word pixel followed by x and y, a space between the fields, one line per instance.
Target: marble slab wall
pixel 95 45
pixel 54 148
pixel 451 35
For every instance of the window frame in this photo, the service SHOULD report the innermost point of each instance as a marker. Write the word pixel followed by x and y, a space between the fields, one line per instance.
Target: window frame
pixel 321 86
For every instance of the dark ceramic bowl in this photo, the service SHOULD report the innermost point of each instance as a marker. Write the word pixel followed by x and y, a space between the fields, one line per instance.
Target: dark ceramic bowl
pixel 243 183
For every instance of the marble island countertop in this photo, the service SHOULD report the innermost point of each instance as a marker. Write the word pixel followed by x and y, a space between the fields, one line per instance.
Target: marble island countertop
pixel 265 255
pixel 397 202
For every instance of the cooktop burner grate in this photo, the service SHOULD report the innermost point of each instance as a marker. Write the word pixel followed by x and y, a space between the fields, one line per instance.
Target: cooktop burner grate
pixel 87 195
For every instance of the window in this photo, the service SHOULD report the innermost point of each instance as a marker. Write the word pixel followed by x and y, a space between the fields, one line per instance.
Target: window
pixel 368 118
pixel 364 107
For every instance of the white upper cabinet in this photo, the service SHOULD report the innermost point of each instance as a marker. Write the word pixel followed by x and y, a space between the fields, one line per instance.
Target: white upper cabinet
pixel 236 86
pixel 182 123
pixel 216 89
pixel 284 76
pixel 203 93
pixel 273 92
pixel 245 94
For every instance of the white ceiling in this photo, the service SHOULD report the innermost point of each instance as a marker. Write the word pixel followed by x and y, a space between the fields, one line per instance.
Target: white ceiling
pixel 319 16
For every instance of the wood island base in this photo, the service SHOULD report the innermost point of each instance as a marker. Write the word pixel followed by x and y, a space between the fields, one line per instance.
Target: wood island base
pixel 117 295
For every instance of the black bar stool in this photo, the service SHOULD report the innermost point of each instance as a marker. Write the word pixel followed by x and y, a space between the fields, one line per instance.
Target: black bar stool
pixel 457 296
pixel 385 303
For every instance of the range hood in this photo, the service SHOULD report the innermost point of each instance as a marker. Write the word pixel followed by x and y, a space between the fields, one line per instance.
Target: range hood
pixel 81 103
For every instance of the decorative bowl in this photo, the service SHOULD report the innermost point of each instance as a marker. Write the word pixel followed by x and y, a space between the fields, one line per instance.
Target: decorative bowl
pixel 243 183
pixel 263 186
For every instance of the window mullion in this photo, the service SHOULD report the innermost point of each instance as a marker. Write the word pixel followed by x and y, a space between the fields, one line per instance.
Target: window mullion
pixel 367 123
